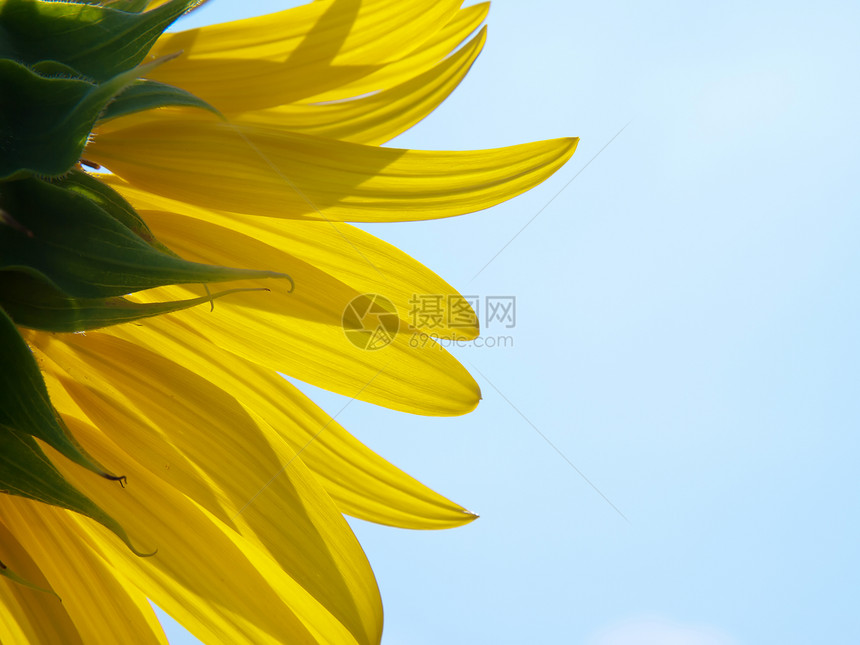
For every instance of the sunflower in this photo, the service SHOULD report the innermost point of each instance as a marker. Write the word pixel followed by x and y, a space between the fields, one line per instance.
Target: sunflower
pixel 150 449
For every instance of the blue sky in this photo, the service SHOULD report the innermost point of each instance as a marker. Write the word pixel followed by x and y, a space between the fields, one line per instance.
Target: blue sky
pixel 686 336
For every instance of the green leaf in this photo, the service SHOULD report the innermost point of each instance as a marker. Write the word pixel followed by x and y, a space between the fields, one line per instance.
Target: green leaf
pixel 35 303
pixel 84 251
pixel 147 95
pixel 24 403
pixel 45 122
pixel 25 470
pixel 98 41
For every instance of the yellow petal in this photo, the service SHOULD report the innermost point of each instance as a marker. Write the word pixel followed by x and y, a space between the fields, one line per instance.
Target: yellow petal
pixel 282 57
pixel 361 483
pixel 348 254
pixel 225 566
pixel 262 170
pixel 301 333
pixel 80 578
pixel 415 62
pixel 29 616
pixel 376 118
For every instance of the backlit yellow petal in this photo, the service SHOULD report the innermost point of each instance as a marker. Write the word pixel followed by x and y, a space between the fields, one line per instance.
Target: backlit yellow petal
pixel 234 528
pixel 348 254
pixel 80 578
pixel 361 483
pixel 287 56
pixel 414 62
pixel 235 479
pixel 29 616
pixel 301 333
pixel 376 118
pixel 260 170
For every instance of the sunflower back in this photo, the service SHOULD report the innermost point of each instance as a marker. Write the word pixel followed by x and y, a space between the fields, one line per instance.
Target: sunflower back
pixel 71 247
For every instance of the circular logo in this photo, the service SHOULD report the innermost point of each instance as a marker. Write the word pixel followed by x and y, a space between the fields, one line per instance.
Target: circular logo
pixel 370 321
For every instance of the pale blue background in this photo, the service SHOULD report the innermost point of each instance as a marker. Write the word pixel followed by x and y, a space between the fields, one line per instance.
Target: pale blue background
pixel 687 336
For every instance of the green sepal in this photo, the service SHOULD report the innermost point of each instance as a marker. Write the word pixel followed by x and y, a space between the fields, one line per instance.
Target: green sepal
pixel 36 304
pixel 147 95
pixel 45 122
pixel 135 6
pixel 112 203
pixel 100 42
pixel 85 252
pixel 55 69
pixel 26 471
pixel 24 403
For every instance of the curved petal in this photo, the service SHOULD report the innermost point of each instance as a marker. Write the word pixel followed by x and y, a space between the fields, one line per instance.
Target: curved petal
pixel 261 170
pixel 310 581
pixel 375 118
pixel 301 333
pixel 415 62
pixel 361 482
pixel 80 578
pixel 282 57
pixel 348 254
pixel 29 616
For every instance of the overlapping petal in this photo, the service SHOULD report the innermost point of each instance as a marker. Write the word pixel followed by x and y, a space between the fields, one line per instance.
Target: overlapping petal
pixel 30 615
pixel 261 170
pixel 299 53
pixel 413 62
pixel 378 117
pixel 220 533
pixel 235 477
pixel 362 261
pixel 371 108
pixel 361 483
pixel 301 333
pixel 73 570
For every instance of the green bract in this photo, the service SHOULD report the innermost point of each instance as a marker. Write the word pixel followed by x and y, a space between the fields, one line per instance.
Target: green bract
pixel 145 95
pixel 98 42
pixel 71 248
pixel 83 250
pixel 40 112
pixel 25 412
